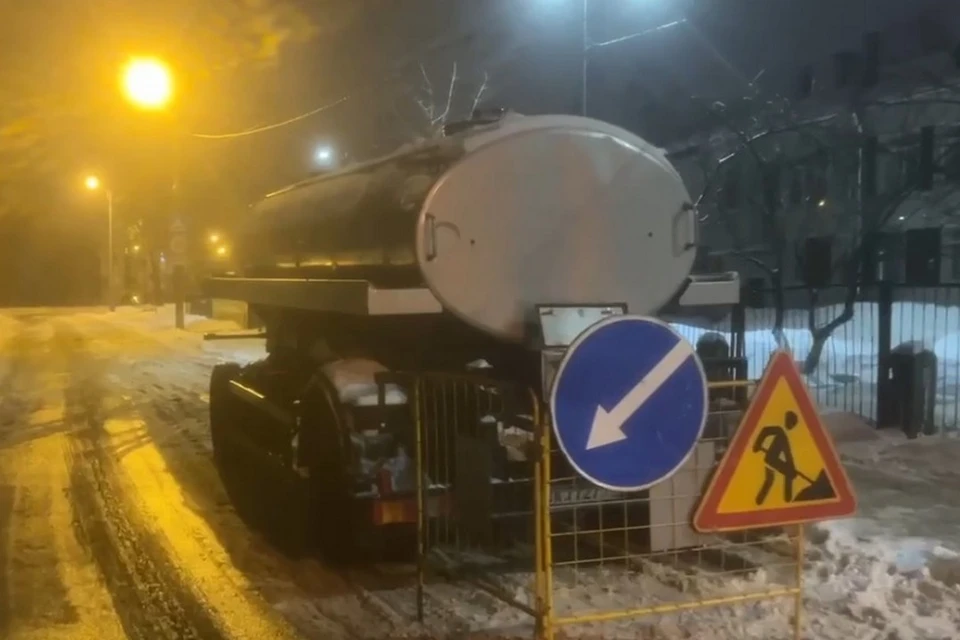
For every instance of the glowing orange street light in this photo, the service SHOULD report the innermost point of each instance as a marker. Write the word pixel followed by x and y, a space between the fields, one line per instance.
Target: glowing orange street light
pixel 147 83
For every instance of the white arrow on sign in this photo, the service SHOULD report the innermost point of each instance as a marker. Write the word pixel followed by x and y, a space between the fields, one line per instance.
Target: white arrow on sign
pixel 607 427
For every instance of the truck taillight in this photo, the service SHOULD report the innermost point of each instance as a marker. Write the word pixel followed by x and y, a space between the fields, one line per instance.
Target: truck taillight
pixel 384 482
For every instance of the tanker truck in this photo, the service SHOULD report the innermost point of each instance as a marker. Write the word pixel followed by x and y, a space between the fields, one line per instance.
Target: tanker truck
pixel 491 245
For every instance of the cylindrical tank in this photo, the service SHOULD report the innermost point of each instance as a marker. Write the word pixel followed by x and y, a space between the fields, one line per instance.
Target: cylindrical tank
pixel 494 220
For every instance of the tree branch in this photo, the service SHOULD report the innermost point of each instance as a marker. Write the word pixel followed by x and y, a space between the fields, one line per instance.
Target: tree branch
pixel 446 111
pixel 483 87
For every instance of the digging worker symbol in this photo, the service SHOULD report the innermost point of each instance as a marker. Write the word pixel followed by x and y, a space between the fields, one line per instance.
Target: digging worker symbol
pixel 774 442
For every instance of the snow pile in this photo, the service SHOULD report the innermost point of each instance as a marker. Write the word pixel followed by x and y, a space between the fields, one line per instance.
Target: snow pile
pixel 888 587
pixel 355 382
pixel 158 326
pixel 164 318
pixel 891 573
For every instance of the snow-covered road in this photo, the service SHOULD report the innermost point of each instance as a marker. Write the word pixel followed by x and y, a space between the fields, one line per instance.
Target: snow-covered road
pixel 114 524
pixel 113 521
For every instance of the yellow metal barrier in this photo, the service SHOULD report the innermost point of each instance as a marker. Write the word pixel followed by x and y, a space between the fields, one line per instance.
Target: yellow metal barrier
pixel 636 555
pixel 478 486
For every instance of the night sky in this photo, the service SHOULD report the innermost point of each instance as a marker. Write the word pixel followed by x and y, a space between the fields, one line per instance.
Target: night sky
pixel 370 52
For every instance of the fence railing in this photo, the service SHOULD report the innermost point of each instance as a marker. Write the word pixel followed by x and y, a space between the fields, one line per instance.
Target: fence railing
pixel 478 478
pixel 852 365
pixel 641 552
pixel 500 507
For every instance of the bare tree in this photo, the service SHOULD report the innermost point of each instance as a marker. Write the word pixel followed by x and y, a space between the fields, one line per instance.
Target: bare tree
pixel 453 101
pixel 776 176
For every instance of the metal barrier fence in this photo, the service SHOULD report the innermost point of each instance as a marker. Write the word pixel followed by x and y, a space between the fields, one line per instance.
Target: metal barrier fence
pixel 499 506
pixel 910 317
pixel 478 478
pixel 636 555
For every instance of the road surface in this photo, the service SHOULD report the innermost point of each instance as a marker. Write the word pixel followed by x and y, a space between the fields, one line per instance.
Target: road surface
pixel 114 524
pixel 113 521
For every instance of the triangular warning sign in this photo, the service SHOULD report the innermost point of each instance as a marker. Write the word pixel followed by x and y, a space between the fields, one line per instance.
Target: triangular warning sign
pixel 781 466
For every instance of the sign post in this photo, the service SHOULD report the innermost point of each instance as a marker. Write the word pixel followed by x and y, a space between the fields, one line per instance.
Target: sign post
pixel 178 256
pixel 629 402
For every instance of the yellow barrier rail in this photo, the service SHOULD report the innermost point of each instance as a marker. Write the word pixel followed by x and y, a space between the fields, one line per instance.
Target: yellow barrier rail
pixel 640 547
pixel 648 537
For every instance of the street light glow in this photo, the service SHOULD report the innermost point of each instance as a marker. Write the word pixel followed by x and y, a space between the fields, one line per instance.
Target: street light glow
pixel 324 156
pixel 147 83
pixel 92 183
pixel 214 238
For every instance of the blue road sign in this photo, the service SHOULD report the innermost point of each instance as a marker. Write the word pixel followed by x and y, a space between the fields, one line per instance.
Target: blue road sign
pixel 629 402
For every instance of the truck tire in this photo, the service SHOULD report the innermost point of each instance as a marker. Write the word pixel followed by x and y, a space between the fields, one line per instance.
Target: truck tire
pixel 329 518
pixel 222 411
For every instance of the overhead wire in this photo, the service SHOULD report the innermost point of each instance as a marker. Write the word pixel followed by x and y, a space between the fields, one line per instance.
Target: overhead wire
pixel 269 127
pixel 399 66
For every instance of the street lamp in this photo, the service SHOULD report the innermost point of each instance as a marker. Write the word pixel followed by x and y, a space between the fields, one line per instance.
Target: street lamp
pixel 324 156
pixel 93 184
pixel 147 83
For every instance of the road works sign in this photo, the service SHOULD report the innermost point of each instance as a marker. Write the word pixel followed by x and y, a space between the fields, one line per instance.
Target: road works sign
pixel 629 402
pixel 781 466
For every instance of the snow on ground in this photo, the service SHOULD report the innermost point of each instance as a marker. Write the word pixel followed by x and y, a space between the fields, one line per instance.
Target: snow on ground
pixel 891 573
pixel 158 323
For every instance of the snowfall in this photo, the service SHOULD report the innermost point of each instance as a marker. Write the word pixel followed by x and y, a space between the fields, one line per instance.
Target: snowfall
pixel 892 572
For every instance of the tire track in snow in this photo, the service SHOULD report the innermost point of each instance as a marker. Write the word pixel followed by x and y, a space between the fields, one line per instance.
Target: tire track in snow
pixel 147 589
pixel 151 472
pixel 320 601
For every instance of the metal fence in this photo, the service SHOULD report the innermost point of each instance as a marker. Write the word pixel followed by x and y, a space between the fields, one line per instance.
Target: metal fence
pixel 478 478
pixel 887 318
pixel 500 507
pixel 637 554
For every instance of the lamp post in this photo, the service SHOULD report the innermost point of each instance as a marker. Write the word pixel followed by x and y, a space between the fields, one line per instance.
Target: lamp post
pixel 589 45
pixel 93 184
pixel 147 83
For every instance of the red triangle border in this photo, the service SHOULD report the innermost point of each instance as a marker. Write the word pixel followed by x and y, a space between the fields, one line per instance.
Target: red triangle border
pixel 707 517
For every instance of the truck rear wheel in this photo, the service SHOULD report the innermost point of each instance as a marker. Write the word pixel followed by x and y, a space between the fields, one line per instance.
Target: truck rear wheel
pixel 330 518
pixel 222 410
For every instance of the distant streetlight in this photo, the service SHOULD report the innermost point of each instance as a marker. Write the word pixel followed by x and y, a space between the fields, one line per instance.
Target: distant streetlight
pixel 324 156
pixel 222 251
pixel 93 184
pixel 147 83
pixel 214 238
